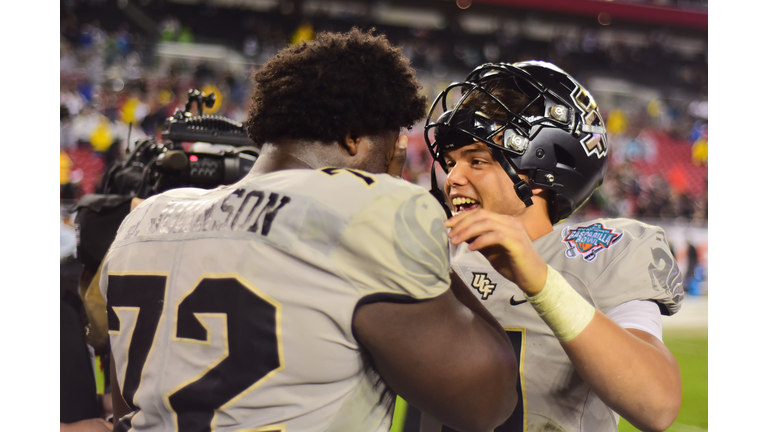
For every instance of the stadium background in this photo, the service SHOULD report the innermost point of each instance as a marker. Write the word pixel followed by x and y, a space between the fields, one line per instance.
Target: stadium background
pixel 645 62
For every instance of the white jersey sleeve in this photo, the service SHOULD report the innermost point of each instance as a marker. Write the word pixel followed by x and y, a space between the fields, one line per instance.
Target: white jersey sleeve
pixel 613 261
pixel 396 247
pixel 638 314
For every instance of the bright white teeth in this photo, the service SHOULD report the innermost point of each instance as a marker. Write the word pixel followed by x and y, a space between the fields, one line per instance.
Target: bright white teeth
pixel 462 200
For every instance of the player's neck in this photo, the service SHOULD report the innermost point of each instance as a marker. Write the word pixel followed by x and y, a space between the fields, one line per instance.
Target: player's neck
pixel 535 219
pixel 295 155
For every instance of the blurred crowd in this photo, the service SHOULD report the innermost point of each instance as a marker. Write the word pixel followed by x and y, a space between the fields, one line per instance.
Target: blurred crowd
pixel 116 82
pixel 123 72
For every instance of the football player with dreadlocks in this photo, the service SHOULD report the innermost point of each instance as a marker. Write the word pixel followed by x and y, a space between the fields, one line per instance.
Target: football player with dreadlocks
pixel 523 146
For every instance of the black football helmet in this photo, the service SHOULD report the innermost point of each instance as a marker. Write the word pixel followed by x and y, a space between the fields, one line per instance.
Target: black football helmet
pixel 562 148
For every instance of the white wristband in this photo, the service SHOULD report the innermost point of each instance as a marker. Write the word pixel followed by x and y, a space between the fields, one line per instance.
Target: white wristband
pixel 561 307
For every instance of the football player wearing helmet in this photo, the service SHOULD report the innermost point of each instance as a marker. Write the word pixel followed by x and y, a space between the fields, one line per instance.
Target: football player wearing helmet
pixel 523 146
pixel 301 297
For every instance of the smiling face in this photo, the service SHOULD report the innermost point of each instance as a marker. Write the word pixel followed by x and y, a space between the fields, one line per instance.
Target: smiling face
pixel 476 180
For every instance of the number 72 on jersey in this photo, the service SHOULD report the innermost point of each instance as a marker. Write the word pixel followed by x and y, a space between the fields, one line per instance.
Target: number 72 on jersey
pixel 253 350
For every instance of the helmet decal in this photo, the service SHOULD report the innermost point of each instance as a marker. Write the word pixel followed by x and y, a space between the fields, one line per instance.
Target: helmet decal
pixel 592 123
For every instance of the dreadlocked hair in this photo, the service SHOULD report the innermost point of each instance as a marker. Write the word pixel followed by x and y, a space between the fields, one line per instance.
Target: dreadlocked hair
pixel 339 83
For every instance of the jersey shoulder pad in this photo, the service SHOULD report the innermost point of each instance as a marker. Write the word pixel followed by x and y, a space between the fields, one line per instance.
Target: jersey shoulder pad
pixel 619 260
pixel 186 192
pixel 385 235
pixel 397 244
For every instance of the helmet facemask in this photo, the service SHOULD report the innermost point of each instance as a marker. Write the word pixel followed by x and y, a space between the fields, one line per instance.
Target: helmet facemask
pixel 536 119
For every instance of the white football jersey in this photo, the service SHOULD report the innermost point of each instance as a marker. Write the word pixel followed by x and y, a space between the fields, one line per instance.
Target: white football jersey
pixel 608 262
pixel 231 309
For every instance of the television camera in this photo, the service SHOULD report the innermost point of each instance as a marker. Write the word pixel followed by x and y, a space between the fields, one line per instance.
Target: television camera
pixel 204 151
pixel 221 154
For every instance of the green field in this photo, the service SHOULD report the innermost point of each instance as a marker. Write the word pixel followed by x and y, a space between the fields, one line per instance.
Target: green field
pixel 689 347
pixel 690 350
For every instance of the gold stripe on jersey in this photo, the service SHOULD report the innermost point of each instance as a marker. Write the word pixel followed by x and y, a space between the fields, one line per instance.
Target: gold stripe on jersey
pixel 220 315
pixel 521 376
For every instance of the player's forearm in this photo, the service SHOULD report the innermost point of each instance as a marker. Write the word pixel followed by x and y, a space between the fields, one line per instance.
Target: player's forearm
pixel 442 358
pixel 638 380
pixel 482 395
pixel 494 374
pixel 483 398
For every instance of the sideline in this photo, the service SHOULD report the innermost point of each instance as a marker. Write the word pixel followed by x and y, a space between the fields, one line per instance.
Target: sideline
pixel 693 314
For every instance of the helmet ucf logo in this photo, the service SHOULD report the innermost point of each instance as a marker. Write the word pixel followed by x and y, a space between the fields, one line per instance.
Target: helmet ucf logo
pixel 592 123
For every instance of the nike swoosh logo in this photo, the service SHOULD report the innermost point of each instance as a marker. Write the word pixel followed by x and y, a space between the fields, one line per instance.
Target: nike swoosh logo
pixel 515 303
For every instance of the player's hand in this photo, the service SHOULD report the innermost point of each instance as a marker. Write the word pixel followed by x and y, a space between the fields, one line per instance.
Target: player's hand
pixel 90 425
pixel 106 403
pixel 397 163
pixel 504 242
pixel 135 201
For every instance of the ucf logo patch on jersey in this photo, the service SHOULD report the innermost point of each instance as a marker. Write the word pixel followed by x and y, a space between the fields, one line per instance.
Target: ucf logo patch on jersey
pixel 482 284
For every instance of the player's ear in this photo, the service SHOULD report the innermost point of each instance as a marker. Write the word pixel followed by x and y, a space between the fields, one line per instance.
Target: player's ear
pixel 351 143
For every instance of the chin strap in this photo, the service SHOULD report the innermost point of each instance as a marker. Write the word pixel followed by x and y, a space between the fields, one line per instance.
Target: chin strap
pixel 522 188
pixel 438 194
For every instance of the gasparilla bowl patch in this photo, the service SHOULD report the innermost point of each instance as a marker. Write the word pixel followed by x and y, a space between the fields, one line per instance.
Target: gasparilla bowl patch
pixel 588 241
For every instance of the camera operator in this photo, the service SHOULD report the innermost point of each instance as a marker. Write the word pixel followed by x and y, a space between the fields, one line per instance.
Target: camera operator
pixel 81 408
